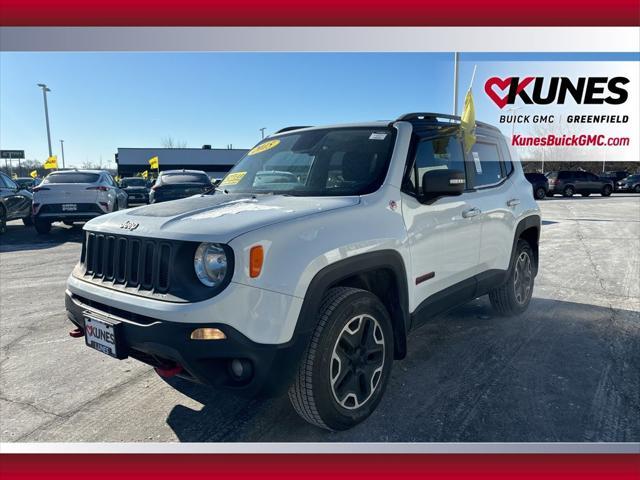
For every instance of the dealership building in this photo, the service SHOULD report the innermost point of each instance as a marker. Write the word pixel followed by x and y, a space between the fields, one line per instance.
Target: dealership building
pixel 216 162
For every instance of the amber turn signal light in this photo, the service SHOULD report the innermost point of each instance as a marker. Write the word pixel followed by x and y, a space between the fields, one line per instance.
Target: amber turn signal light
pixel 256 257
pixel 208 334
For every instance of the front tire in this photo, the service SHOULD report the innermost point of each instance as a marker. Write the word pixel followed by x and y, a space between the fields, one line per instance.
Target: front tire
pixel 513 297
pixel 606 190
pixel 540 193
pixel 345 369
pixel 568 191
pixel 636 189
pixel 42 226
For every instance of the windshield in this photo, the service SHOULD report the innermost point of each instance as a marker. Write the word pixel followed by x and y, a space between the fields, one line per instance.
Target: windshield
pixel 184 177
pixel 75 177
pixel 134 182
pixel 327 162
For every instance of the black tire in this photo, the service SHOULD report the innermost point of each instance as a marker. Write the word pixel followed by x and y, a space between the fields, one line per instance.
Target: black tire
pixel 585 194
pixel 606 191
pixel 321 393
pixel 3 220
pixel 636 189
pixel 513 297
pixel 540 193
pixel 28 221
pixel 42 226
pixel 568 191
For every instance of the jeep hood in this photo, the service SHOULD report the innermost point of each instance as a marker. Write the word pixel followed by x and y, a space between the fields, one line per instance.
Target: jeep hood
pixel 214 218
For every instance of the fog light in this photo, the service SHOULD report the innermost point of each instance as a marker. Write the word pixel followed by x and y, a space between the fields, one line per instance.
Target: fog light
pixel 240 369
pixel 208 334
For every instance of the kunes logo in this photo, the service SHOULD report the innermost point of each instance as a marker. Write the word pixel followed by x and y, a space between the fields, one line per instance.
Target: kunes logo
pixel 545 91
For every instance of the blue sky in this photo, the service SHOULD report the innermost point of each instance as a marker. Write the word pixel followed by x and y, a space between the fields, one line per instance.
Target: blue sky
pixel 102 101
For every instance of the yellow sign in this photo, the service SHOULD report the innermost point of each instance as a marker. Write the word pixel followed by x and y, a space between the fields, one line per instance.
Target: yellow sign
pixel 34 174
pixel 153 163
pixel 263 147
pixel 51 163
pixel 233 178
pixel 145 174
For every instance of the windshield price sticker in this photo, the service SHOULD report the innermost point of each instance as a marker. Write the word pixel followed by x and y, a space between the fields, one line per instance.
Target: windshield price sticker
pixel 476 160
pixel 233 178
pixel 263 147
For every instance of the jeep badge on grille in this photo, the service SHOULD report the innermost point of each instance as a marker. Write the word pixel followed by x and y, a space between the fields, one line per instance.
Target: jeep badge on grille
pixel 129 225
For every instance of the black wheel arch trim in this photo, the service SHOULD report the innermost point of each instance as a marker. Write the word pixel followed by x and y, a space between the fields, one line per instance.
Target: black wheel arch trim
pixel 331 276
pixel 529 222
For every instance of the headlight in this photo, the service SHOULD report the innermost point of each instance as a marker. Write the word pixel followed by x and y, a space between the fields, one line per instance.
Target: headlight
pixel 210 264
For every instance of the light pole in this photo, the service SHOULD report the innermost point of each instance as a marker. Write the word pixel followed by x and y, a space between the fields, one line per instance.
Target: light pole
pixel 262 131
pixel 46 89
pixel 62 150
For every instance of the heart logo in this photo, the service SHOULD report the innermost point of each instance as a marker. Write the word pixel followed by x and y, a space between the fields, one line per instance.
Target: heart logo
pixel 503 85
pixel 90 329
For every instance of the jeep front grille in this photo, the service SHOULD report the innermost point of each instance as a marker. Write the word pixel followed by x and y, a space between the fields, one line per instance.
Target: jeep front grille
pixel 140 263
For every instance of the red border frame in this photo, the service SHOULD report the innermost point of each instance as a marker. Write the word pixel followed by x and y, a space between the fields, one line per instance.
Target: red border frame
pixel 319 13
pixel 318 466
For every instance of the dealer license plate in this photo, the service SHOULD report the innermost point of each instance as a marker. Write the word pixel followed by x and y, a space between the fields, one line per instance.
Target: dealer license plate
pixel 101 335
pixel 69 207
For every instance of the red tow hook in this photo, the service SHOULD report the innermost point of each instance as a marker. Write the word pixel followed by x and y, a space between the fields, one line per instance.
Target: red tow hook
pixel 77 333
pixel 169 372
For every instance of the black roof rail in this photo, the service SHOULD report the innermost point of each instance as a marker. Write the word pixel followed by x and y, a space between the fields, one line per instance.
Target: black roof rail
pixel 433 117
pixel 288 129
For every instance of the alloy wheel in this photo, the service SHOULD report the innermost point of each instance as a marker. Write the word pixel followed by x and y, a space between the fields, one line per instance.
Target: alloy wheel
pixel 357 362
pixel 523 278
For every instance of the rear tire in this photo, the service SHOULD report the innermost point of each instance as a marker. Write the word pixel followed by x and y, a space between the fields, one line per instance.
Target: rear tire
pixel 513 297
pixel 568 191
pixel 540 193
pixel 636 189
pixel 606 191
pixel 345 369
pixel 42 226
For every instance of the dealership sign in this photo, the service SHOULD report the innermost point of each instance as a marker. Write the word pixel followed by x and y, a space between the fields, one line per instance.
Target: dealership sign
pixel 11 153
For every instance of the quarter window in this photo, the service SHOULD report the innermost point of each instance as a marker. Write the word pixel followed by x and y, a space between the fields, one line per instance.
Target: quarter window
pixel 485 161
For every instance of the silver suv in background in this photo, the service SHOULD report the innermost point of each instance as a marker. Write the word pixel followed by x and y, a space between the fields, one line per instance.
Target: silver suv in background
pixel 75 196
pixel 568 183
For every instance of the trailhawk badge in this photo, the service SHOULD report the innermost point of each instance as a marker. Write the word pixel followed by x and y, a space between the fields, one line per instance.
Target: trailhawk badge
pixel 129 225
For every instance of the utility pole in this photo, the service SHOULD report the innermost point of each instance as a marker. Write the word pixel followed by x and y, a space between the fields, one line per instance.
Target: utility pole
pixel 262 132
pixel 455 83
pixel 62 150
pixel 46 89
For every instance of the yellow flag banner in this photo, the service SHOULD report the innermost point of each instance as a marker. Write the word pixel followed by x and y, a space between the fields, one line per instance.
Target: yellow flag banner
pixel 153 163
pixel 33 174
pixel 51 163
pixel 145 174
pixel 14 176
pixel 468 122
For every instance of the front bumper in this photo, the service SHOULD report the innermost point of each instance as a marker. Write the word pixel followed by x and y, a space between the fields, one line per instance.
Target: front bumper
pixel 166 344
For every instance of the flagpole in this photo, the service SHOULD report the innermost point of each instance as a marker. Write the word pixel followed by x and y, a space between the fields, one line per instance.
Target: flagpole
pixel 473 76
pixel 455 84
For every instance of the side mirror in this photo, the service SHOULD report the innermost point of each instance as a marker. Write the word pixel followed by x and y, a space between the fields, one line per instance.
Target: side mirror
pixel 442 183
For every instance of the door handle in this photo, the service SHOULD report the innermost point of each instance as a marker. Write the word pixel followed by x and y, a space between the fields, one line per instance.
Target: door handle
pixel 472 212
pixel 513 202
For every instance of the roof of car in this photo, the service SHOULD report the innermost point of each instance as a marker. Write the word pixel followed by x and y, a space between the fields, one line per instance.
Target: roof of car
pixel 182 171
pixel 78 170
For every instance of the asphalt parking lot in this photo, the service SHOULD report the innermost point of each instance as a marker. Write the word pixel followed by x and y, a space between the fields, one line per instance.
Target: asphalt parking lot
pixel 566 370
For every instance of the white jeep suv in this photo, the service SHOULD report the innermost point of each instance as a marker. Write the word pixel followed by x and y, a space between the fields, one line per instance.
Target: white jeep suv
pixel 75 196
pixel 311 263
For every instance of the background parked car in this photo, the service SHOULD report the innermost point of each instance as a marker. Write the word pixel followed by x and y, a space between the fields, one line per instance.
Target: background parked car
pixel 136 188
pixel 15 202
pixel 75 196
pixel 615 177
pixel 539 183
pixel 175 184
pixel 26 183
pixel 568 183
pixel 630 184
